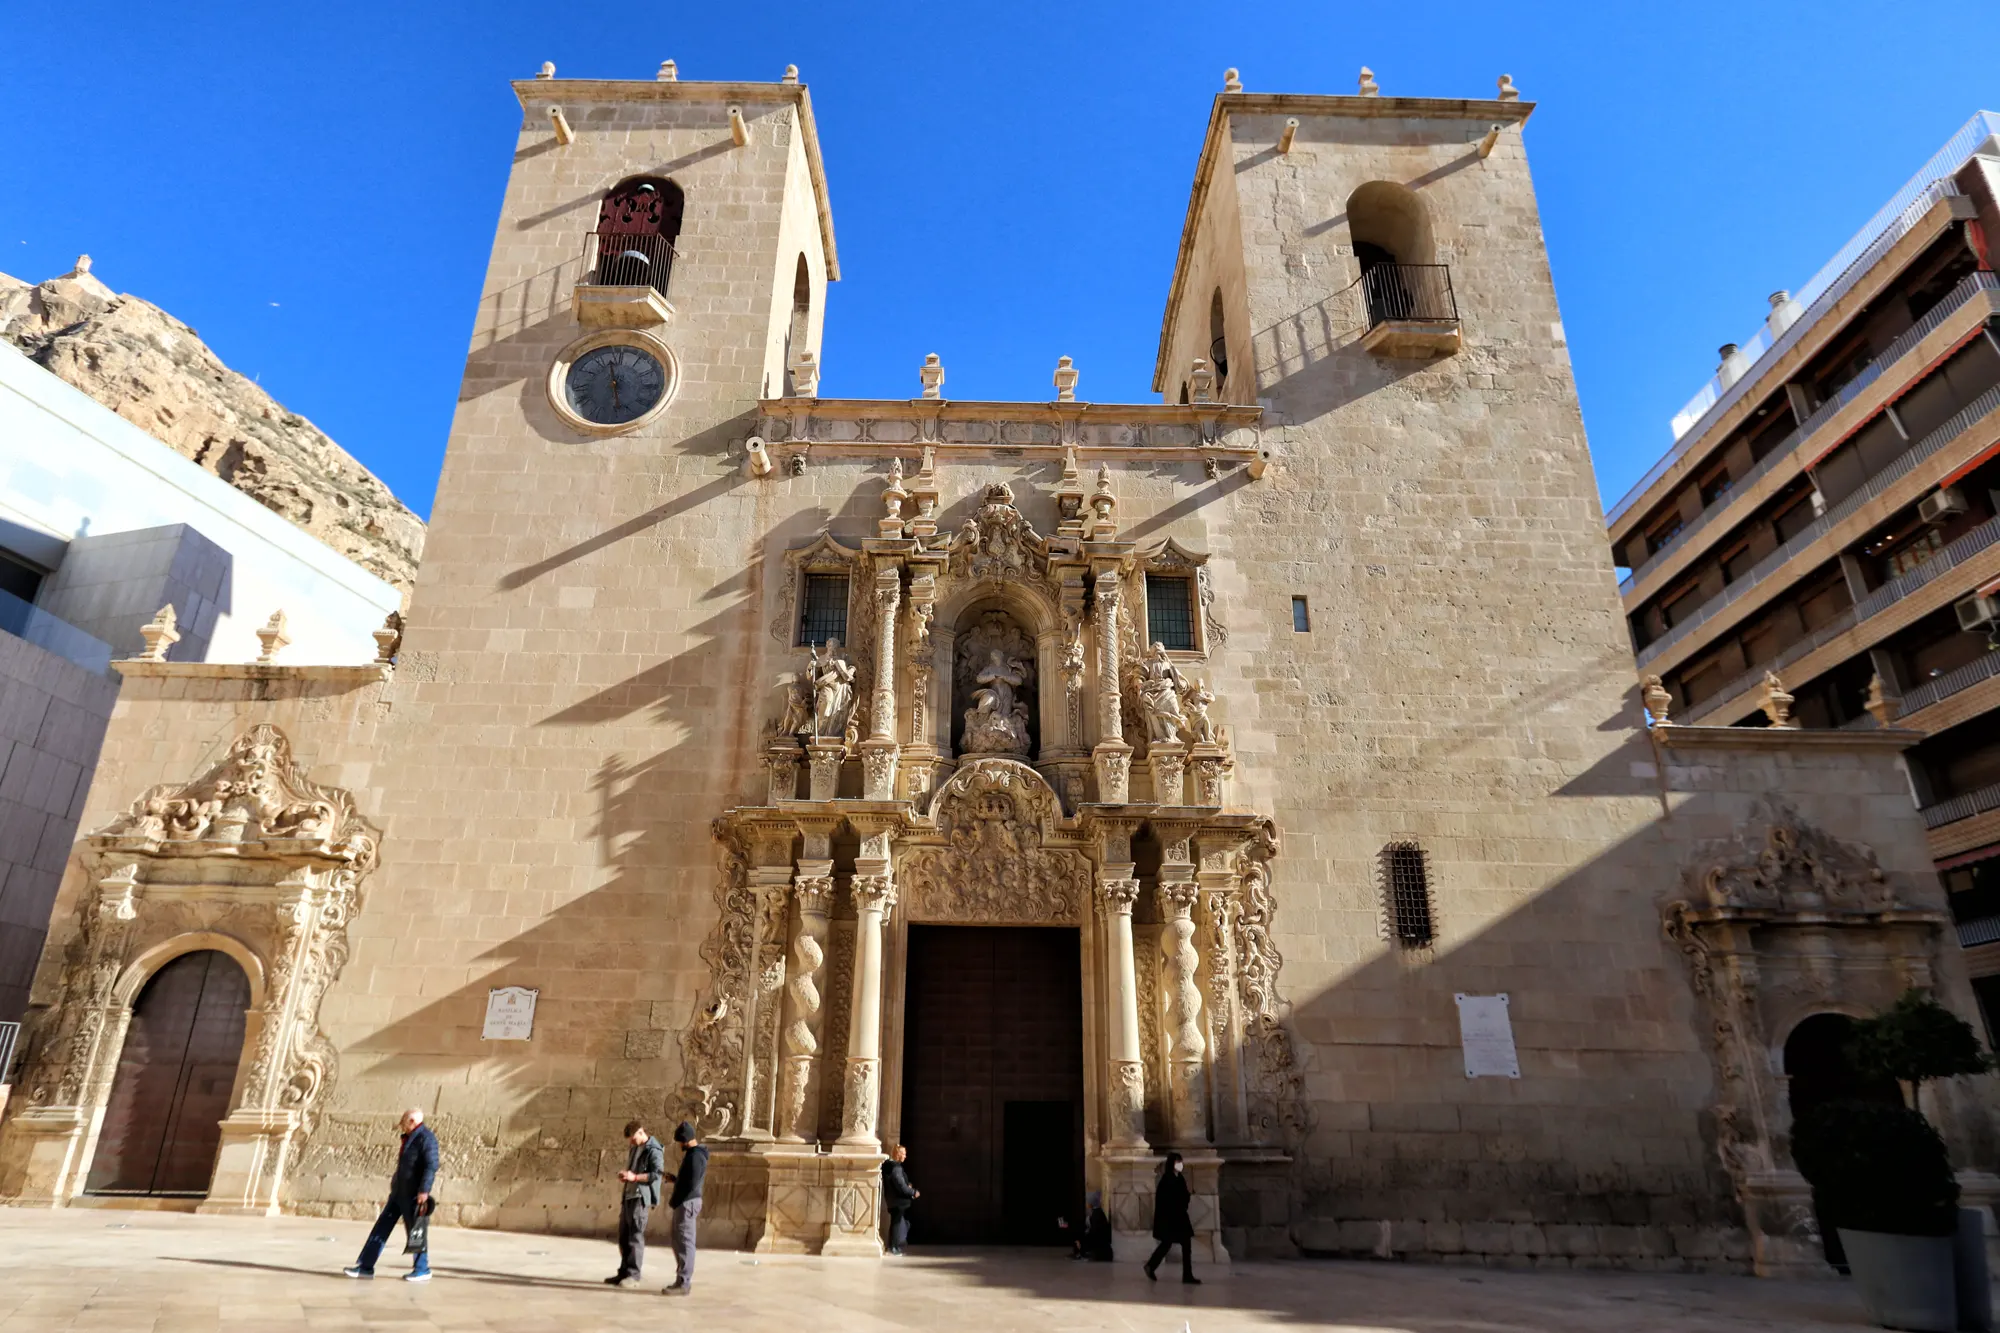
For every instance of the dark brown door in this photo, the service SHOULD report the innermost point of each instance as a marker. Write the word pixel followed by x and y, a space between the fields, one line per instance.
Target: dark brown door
pixel 174 1076
pixel 993 1084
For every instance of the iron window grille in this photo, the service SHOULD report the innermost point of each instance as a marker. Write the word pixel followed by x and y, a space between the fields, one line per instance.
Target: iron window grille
pixel 823 610
pixel 1407 913
pixel 1170 612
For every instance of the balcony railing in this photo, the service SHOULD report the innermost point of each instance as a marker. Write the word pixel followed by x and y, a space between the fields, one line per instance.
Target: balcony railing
pixel 24 620
pixel 1961 807
pixel 1895 590
pixel 1933 319
pixel 1415 292
pixel 1983 930
pixel 1951 682
pixel 612 260
pixel 10 1036
pixel 1898 468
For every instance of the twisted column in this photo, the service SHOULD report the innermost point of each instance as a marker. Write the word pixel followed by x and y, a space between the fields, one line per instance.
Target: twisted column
pixel 1183 994
pixel 798 1122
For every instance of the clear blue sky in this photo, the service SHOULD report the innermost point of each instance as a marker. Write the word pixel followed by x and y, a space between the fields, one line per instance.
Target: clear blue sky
pixel 314 187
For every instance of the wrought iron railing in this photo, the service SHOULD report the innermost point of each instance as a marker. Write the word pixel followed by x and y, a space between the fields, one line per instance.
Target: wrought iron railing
pixel 1409 292
pixel 10 1036
pixel 1972 286
pixel 1897 468
pixel 614 260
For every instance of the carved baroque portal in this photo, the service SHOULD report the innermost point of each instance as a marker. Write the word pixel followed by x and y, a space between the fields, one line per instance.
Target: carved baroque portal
pixel 1780 923
pixel 995 669
pixel 251 858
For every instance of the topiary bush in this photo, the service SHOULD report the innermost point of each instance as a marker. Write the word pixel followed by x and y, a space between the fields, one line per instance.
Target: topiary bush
pixel 1916 1040
pixel 1875 1167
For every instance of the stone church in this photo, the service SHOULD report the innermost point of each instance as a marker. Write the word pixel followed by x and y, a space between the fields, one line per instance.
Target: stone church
pixel 1260 772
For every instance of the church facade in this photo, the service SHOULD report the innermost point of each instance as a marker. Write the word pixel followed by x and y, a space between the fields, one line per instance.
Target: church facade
pixel 1259 773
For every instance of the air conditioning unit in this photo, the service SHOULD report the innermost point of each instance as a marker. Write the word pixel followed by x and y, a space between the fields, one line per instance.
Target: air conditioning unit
pixel 1941 505
pixel 1977 612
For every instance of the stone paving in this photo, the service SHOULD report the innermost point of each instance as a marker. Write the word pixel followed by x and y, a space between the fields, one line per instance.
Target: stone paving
pixel 87 1268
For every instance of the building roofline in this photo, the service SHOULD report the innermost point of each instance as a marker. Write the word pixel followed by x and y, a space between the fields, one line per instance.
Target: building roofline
pixel 1486 110
pixel 546 91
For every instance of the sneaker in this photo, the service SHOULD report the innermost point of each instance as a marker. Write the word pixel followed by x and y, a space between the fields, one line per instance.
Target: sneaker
pixel 677 1289
pixel 358 1271
pixel 424 1276
pixel 627 1282
pixel 614 1281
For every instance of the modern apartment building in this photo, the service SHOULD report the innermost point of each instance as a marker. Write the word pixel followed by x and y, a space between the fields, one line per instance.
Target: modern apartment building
pixel 1830 512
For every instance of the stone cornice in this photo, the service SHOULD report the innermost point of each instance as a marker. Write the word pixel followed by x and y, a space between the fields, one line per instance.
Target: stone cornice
pixel 1677 737
pixel 133 668
pixel 1098 430
pixel 585 91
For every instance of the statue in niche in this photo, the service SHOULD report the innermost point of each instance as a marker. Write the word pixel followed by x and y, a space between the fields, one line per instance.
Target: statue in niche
pixel 1161 687
pixel 997 722
pixel 832 691
pixel 1195 700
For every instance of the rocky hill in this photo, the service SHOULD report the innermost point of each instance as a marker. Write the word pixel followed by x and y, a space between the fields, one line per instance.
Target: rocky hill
pixel 156 372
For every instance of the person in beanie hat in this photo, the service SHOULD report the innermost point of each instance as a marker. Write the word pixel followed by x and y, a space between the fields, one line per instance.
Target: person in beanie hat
pixel 686 1203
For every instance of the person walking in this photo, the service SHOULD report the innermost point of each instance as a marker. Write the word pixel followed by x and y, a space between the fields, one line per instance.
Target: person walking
pixel 1171 1224
pixel 644 1166
pixel 686 1203
pixel 898 1193
pixel 409 1198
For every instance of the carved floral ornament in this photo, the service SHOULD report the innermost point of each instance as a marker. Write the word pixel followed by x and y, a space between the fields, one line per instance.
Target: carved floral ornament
pixel 995 816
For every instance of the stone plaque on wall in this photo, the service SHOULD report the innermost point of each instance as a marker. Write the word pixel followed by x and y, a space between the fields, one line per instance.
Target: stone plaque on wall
pixel 1487 1034
pixel 510 1013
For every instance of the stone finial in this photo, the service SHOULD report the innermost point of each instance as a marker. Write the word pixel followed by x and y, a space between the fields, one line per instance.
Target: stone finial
pixel 1232 82
pixel 1065 380
pixel 273 637
pixel 1879 704
pixel 894 497
pixel 791 74
pixel 669 72
pixel 1508 92
pixel 1104 505
pixel 805 375
pixel 1658 700
pixel 1777 702
pixel 389 639
pixel 932 375
pixel 82 265
pixel 159 634
pixel 548 70
pixel 1369 88
pixel 1201 383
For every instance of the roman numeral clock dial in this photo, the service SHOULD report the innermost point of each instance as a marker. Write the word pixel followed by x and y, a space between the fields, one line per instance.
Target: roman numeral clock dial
pixel 613 385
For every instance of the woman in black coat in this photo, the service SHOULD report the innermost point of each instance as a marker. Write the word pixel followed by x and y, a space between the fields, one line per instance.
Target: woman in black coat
pixel 1171 1224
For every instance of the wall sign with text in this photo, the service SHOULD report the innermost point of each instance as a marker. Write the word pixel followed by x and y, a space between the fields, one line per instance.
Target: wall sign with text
pixel 1487 1034
pixel 510 1013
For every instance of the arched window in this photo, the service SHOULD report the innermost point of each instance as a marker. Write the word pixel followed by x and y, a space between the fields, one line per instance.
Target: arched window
pixel 1218 344
pixel 1391 231
pixel 799 331
pixel 1407 917
pixel 637 225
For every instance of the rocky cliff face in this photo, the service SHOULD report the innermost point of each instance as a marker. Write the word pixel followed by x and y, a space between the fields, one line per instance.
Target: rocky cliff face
pixel 154 371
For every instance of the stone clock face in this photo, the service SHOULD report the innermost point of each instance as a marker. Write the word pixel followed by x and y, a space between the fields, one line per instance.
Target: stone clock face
pixel 615 384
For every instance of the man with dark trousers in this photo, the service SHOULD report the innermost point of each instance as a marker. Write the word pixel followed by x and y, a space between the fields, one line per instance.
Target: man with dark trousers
pixel 644 1167
pixel 898 1193
pixel 686 1203
pixel 409 1198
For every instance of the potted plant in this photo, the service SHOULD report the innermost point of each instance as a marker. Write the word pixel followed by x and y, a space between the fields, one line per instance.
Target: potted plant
pixel 1880 1174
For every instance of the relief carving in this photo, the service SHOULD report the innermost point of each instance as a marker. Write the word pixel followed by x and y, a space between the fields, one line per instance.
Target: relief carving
pixel 712 1048
pixel 994 815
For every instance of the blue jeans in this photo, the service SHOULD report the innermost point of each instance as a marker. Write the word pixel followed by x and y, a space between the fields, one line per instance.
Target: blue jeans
pixel 394 1211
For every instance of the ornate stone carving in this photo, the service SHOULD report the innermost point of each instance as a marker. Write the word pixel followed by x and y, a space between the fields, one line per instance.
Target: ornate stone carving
pixel 1160 688
pixel 861 1083
pixel 712 1048
pixel 1170 557
pixel 997 543
pixel 994 815
pixel 823 555
pixel 1777 702
pixel 830 678
pixel 1275 1090
pixel 1798 868
pixel 995 668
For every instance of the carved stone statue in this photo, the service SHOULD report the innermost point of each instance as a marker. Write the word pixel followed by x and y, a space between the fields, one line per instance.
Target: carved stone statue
pixel 1195 700
pixel 832 690
pixel 997 722
pixel 1160 689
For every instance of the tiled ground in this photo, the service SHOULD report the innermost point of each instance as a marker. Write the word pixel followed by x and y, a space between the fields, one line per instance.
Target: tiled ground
pixel 133 1272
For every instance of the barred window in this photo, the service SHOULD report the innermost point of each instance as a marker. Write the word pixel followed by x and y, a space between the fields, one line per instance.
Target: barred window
pixel 1169 612
pixel 823 614
pixel 1406 896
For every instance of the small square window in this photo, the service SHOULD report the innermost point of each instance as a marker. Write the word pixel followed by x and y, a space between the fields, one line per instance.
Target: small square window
pixel 823 614
pixel 1169 612
pixel 1301 616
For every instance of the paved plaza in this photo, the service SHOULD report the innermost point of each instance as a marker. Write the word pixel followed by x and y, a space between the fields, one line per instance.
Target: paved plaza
pixel 87 1268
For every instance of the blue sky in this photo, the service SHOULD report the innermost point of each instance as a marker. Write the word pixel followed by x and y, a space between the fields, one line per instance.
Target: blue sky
pixel 314 187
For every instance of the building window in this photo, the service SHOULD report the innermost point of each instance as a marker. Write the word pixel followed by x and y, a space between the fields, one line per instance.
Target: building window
pixel 1715 487
pixel 1663 534
pixel 1170 612
pixel 823 609
pixel 1406 895
pixel 1301 616
pixel 1218 344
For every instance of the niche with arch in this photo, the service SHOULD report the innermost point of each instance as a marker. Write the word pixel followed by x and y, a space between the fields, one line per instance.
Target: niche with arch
pixel 993 687
pixel 1406 294
pixel 638 224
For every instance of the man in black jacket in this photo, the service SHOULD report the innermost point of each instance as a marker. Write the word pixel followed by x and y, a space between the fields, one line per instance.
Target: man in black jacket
pixel 686 1203
pixel 644 1167
pixel 409 1198
pixel 898 1194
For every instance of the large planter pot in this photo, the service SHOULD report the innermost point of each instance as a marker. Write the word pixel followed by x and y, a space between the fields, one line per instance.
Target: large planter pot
pixel 1905 1281
pixel 1975 1290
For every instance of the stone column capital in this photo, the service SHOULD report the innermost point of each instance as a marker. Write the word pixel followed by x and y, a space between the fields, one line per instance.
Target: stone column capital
pixel 1117 895
pixel 1177 898
pixel 815 893
pixel 874 893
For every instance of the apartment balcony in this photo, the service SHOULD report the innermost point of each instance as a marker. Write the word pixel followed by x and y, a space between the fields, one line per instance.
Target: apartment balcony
pixel 1412 311
pixel 1972 934
pixel 624 283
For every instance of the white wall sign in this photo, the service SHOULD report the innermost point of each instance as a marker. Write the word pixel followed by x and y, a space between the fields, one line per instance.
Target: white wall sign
pixel 1488 1037
pixel 510 1013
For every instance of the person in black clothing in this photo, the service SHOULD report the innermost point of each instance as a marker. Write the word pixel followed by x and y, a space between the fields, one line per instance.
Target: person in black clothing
pixel 1171 1225
pixel 1095 1242
pixel 898 1194
pixel 409 1198
pixel 686 1203
pixel 644 1168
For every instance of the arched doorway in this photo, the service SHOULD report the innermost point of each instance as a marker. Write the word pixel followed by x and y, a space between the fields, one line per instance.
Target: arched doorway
pixel 175 1075
pixel 1818 1071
